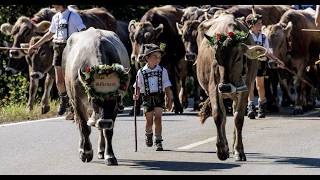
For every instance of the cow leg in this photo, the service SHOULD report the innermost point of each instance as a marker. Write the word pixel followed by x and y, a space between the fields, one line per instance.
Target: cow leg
pixel 46 94
pixel 101 145
pixel 300 90
pixel 85 146
pixel 177 105
pixel 110 158
pixel 182 70
pixel 239 106
pixel 109 114
pixel 219 116
pixel 34 83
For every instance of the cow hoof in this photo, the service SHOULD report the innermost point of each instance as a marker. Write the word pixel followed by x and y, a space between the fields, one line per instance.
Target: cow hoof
pixel 112 161
pixel 45 109
pixel 223 155
pixel 100 155
pixel 240 157
pixel 86 156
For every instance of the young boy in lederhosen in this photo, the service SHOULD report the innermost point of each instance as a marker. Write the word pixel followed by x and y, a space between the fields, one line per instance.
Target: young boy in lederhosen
pixel 63 24
pixel 153 85
pixel 254 22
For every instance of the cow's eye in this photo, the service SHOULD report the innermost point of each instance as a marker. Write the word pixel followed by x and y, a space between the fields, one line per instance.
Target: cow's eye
pixel 42 54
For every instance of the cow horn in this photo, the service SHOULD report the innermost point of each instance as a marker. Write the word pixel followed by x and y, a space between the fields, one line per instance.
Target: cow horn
pixel 179 27
pixel 6 28
pixel 253 11
pixel 132 26
pixel 288 29
pixel 158 30
pixel 80 75
pixel 208 37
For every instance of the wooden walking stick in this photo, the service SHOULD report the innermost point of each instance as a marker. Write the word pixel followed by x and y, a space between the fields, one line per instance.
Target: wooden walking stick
pixel 135 114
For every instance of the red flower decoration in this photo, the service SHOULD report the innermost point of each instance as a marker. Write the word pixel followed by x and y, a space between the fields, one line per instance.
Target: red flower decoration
pixel 218 36
pixel 88 69
pixel 230 34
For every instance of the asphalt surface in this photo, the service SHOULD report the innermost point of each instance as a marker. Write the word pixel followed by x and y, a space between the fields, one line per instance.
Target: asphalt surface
pixel 278 144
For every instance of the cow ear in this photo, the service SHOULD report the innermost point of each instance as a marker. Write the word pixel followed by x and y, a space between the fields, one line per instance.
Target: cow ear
pixel 207 37
pixel 43 26
pixel 179 28
pixel 6 28
pixel 158 30
pixel 288 29
pixel 132 26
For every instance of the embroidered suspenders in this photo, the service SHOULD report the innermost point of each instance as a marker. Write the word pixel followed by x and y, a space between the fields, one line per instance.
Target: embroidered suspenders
pixel 146 76
pixel 263 40
pixel 61 26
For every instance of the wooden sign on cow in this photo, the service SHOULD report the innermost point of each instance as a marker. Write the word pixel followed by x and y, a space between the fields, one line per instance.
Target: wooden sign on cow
pixel 105 83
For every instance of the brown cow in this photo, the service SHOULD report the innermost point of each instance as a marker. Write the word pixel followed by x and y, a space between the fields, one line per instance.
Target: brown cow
pixel 271 14
pixel 158 25
pixel 296 48
pixel 223 72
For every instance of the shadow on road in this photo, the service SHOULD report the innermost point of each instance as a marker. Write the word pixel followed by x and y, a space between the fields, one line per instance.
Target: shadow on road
pixel 177 165
pixel 302 162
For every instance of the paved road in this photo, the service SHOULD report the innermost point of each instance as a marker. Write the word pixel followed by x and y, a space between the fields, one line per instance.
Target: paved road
pixel 275 145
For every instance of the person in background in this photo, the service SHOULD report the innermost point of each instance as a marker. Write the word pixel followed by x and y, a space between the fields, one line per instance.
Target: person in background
pixel 63 24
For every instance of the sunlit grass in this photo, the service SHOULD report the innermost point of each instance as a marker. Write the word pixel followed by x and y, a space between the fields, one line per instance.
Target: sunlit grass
pixel 19 112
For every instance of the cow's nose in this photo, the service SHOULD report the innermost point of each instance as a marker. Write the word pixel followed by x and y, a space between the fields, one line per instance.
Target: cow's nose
pixel 14 53
pixel 35 76
pixel 190 57
pixel 133 58
pixel 140 58
pixel 224 88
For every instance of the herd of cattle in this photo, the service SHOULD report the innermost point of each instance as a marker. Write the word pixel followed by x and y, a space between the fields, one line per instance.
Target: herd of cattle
pixel 184 31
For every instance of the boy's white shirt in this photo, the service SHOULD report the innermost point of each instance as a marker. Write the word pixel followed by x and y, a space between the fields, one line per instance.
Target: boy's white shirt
pixel 259 40
pixel 153 81
pixel 75 24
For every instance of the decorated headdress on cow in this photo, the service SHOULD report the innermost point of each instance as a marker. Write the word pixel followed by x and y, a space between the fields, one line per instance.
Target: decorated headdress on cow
pixel 226 39
pixel 253 18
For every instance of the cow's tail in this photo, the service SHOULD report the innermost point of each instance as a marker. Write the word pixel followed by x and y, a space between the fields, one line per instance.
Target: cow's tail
pixel 205 111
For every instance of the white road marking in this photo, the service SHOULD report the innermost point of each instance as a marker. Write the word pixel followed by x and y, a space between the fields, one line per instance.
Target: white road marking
pixel 190 146
pixel 29 122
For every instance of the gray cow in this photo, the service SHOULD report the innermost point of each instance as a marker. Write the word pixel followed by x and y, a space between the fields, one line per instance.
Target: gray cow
pixel 89 48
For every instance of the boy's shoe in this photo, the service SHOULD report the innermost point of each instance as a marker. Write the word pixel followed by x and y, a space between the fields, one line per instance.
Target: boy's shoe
pixel 159 145
pixel 251 111
pixel 149 139
pixel 262 110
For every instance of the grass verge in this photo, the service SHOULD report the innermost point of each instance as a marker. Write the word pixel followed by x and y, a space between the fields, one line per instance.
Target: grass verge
pixel 19 112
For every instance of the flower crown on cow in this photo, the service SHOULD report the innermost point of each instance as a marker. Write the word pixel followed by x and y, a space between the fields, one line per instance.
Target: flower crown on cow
pixel 89 74
pixel 226 39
